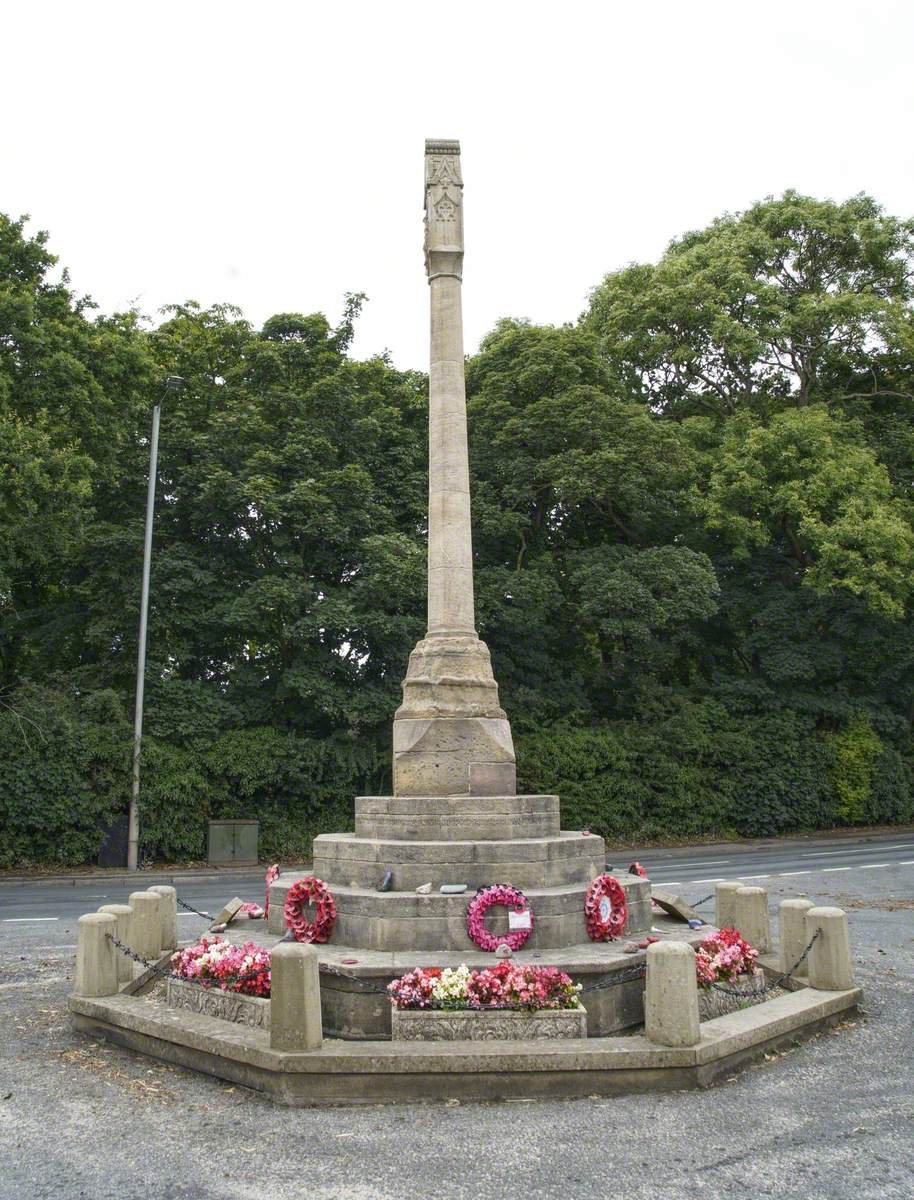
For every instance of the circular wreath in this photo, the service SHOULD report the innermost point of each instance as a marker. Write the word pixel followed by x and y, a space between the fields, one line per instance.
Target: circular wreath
pixel 605 909
pixel 485 898
pixel 310 890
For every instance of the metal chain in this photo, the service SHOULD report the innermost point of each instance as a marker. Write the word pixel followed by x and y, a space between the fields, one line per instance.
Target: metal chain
pixel 768 987
pixel 190 908
pixel 704 900
pixel 613 980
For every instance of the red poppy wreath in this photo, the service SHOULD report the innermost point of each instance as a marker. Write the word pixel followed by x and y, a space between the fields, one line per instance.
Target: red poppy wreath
pixel 511 898
pixel 604 909
pixel 310 890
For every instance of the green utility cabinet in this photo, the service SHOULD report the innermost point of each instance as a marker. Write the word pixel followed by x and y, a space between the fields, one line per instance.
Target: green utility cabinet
pixel 232 843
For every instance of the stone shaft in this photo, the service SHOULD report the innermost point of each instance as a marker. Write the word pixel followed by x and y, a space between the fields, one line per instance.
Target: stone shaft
pixel 451 737
pixel 295 998
pixel 671 995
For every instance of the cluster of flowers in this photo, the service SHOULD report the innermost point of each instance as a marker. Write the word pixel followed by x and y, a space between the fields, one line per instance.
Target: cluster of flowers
pixel 214 962
pixel 506 985
pixel 724 955
pixel 250 909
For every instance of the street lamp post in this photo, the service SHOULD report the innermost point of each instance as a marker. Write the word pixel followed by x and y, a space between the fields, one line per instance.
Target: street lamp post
pixel 172 383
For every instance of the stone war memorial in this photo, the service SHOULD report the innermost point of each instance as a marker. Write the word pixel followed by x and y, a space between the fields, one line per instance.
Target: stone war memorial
pixel 459 943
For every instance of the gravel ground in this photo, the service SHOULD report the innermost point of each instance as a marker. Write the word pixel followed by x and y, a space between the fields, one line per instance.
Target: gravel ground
pixel 833 1118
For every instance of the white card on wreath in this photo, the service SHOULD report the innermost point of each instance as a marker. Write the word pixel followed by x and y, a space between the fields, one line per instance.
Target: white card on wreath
pixel 519 920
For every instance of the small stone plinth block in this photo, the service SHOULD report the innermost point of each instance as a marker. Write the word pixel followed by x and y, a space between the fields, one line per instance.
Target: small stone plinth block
pixel 168 914
pixel 253 1011
pixel 96 966
pixel 295 998
pixel 479 1025
pixel 122 914
pixel 671 995
pixel 725 904
pixel 146 924
pixel 751 917
pixel 792 936
pixel 830 966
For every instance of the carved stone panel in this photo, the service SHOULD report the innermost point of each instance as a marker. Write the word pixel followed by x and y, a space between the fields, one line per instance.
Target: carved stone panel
pixel 213 1002
pixel 423 1025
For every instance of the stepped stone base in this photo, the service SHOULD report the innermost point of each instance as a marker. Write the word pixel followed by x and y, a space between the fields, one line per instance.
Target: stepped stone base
pixel 456 818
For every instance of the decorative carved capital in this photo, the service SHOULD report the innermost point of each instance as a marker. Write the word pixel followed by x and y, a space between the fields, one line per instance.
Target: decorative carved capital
pixel 443 209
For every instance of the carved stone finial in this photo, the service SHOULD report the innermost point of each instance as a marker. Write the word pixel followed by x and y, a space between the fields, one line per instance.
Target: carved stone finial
pixel 443 209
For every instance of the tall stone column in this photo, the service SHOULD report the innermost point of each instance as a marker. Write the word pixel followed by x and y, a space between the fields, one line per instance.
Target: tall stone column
pixel 451 737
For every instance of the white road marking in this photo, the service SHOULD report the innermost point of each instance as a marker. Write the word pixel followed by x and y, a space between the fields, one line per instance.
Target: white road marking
pixel 828 870
pixel 908 862
pixel 873 866
pixel 753 877
pixel 784 874
pixel 22 920
pixel 866 850
pixel 720 879
pixel 714 862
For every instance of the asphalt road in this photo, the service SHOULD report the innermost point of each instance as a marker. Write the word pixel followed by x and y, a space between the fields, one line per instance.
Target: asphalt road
pixel 832 1119
pixel 693 871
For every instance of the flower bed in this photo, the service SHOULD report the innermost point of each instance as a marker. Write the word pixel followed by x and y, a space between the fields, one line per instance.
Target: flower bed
pixel 722 956
pixel 726 958
pixel 214 962
pixel 507 986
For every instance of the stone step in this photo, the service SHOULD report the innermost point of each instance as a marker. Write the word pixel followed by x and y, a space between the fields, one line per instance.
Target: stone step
pixel 533 862
pixel 403 921
pixel 456 818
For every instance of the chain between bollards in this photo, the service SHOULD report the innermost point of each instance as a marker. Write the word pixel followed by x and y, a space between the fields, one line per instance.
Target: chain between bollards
pixel 167 973
pixel 776 983
pixel 190 908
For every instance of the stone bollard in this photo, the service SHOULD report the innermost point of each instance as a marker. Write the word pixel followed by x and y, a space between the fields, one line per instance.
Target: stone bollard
pixel 725 904
pixel 751 915
pixel 96 965
pixel 122 914
pixel 168 912
pixel 295 998
pixel 792 934
pixel 671 995
pixel 830 965
pixel 146 924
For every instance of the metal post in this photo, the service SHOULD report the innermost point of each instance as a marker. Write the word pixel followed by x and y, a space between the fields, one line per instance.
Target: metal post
pixel 133 827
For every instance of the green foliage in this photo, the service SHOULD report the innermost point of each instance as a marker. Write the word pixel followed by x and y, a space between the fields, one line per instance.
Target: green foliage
pixel 693 535
pixel 856 751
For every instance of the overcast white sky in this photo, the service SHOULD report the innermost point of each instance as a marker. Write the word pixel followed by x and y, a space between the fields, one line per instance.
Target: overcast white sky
pixel 269 154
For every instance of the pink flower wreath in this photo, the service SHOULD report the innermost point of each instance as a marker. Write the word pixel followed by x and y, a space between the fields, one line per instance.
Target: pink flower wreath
pixel 300 893
pixel 497 893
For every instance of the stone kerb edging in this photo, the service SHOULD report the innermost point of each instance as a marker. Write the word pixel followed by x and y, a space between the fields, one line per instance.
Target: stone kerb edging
pixel 373 1072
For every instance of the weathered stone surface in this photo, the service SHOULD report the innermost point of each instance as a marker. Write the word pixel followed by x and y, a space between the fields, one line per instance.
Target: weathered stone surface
pixel 831 967
pixel 751 917
pixel 480 1026
pixel 295 998
pixel 671 995
pixel 674 904
pixel 122 914
pixel 253 1011
pixel 145 924
pixel 168 914
pixel 456 818
pixel 792 936
pixel 96 966
pixel 725 903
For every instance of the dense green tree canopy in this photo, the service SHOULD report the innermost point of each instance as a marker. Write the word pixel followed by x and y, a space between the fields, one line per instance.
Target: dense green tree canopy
pixel 693 534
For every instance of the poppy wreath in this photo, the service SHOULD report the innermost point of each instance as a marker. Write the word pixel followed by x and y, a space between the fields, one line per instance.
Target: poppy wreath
pixel 485 898
pixel 604 909
pixel 314 891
